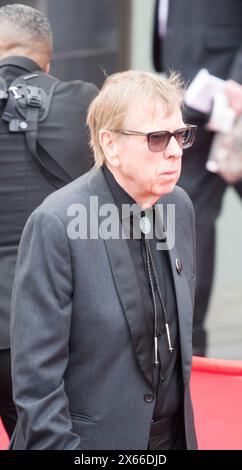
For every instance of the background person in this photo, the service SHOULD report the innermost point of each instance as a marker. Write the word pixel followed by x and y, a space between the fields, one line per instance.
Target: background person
pixel 188 36
pixel 26 46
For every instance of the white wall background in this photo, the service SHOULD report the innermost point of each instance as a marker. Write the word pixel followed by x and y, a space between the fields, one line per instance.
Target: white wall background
pixel 141 30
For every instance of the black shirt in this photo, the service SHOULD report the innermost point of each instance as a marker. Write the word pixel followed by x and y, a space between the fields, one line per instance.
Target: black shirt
pixel 168 377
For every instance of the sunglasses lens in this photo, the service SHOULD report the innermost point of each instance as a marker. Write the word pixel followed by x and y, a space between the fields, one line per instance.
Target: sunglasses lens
pixel 186 137
pixel 158 141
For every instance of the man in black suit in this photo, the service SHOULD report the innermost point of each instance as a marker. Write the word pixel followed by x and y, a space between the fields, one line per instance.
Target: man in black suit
pixel 26 46
pixel 202 34
pixel 103 297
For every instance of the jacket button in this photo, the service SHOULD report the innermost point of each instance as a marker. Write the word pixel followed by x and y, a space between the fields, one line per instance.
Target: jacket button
pixel 149 398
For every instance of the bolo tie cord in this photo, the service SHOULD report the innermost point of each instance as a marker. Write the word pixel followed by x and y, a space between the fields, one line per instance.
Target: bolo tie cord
pixel 150 263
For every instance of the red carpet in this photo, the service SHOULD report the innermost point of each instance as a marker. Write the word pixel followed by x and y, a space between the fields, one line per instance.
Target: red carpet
pixel 3 437
pixel 217 399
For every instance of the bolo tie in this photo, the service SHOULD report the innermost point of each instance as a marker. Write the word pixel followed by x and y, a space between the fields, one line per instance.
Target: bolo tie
pixel 145 227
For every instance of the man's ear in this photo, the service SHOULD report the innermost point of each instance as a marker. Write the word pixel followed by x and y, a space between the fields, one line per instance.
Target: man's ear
pixel 109 144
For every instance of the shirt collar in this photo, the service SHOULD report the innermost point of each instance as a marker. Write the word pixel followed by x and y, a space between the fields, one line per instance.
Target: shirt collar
pixel 120 196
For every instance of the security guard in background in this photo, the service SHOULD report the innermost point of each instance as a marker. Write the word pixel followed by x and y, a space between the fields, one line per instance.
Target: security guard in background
pixel 26 46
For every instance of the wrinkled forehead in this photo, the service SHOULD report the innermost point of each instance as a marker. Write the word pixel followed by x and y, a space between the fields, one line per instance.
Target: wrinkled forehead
pixel 150 113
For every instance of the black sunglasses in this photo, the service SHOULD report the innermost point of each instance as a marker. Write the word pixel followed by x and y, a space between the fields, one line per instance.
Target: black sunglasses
pixel 158 141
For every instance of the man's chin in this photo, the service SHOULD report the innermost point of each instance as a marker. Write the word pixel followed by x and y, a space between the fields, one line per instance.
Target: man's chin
pixel 165 188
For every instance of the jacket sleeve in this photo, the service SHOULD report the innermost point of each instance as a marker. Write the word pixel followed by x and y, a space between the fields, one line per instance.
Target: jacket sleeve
pixel 40 329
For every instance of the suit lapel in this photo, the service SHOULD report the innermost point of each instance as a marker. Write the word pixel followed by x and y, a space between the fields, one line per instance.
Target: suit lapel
pixel 184 308
pixel 182 291
pixel 126 282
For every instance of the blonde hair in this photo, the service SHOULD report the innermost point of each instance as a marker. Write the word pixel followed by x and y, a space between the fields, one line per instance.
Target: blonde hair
pixel 109 109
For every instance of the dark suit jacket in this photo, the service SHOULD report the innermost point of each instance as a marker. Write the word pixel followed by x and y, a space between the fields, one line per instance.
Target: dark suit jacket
pixel 81 368
pixel 201 34
pixel 22 186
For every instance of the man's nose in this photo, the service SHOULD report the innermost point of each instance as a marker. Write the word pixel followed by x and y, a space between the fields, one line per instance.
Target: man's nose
pixel 173 149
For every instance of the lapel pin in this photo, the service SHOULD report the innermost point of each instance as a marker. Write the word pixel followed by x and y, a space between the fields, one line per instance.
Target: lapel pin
pixel 178 265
